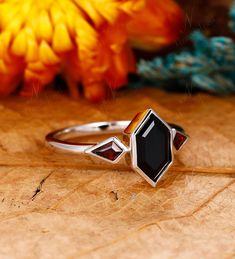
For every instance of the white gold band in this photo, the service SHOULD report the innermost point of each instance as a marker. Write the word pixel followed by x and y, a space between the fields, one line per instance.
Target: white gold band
pixel 147 138
pixel 58 138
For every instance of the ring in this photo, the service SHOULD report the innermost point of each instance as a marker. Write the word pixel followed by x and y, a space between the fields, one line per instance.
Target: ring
pixel 148 142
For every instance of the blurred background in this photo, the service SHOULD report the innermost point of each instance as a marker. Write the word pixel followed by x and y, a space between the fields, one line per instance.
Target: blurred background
pixel 93 48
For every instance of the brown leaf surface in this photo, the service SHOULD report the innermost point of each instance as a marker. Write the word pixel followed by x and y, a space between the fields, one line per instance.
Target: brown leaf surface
pixel 55 205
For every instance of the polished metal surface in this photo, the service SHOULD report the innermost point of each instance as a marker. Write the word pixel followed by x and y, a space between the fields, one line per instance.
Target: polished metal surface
pixel 60 139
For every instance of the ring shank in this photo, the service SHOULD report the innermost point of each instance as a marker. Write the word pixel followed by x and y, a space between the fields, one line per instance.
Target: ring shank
pixel 58 138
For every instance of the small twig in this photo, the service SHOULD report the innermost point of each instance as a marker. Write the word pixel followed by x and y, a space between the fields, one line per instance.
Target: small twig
pixel 39 187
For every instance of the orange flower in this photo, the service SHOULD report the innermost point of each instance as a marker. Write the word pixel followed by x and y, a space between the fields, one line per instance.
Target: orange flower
pixel 157 25
pixel 87 42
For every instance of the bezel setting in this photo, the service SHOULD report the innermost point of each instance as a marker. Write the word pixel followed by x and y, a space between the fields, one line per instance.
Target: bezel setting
pixel 147 145
pixel 113 140
pixel 134 148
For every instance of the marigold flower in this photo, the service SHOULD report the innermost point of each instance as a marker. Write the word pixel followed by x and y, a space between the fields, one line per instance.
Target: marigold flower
pixel 87 42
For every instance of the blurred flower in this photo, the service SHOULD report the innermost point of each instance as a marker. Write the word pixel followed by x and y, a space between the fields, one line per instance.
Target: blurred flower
pixel 85 41
pixel 157 25
pixel 208 65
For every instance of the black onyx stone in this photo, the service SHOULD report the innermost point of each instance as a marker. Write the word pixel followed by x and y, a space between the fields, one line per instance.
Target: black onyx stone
pixel 110 151
pixel 153 144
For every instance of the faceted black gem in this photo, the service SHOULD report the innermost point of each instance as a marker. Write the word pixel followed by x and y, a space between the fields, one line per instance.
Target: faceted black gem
pixel 153 144
pixel 110 151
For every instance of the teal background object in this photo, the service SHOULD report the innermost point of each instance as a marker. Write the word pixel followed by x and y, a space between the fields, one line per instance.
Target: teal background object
pixel 209 65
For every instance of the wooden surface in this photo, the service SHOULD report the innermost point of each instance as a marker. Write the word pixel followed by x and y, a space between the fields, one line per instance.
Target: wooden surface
pixel 54 205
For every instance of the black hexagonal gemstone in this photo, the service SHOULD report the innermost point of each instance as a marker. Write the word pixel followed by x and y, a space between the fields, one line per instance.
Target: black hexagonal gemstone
pixel 153 142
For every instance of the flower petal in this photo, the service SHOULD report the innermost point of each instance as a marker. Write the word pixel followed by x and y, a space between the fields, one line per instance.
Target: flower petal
pixel 47 55
pixel 61 39
pixel 45 29
pixel 19 45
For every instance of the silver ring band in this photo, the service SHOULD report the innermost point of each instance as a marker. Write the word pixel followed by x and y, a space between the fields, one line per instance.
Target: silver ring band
pixel 89 129
pixel 148 140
